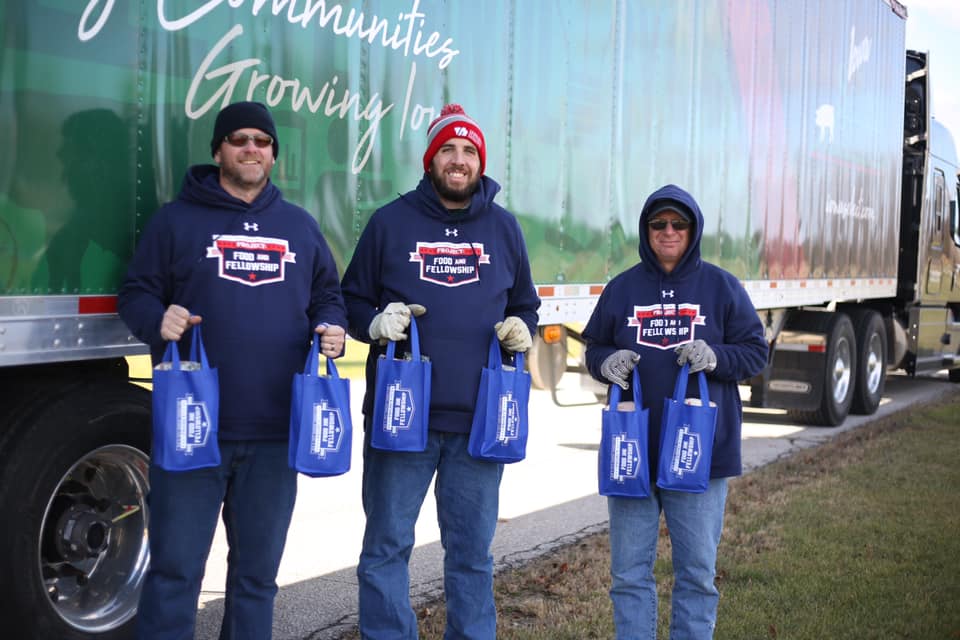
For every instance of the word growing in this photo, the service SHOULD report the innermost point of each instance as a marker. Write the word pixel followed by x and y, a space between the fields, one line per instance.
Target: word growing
pixel 233 76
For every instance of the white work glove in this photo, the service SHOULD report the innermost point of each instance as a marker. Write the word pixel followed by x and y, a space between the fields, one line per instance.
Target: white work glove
pixel 618 366
pixel 391 323
pixel 513 334
pixel 698 355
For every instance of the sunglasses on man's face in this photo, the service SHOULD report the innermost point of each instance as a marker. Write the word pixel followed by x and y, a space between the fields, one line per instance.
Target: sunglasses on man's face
pixel 260 140
pixel 660 224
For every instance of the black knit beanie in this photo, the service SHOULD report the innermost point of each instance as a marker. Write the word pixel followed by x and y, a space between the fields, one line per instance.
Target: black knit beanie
pixel 243 115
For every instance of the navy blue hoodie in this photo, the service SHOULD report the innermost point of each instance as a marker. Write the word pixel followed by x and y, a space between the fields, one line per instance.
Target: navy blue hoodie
pixel 261 276
pixel 468 268
pixel 698 301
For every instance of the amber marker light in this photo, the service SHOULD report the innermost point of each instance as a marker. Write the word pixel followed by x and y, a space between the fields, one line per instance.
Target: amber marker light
pixel 552 333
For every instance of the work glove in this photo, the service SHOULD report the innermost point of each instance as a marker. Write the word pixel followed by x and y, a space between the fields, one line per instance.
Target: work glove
pixel 618 366
pixel 698 355
pixel 513 334
pixel 391 323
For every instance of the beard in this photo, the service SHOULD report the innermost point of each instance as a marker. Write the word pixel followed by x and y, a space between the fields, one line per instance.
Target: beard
pixel 459 196
pixel 242 178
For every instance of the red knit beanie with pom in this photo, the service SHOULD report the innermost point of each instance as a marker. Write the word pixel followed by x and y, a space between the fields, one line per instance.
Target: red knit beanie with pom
pixel 453 123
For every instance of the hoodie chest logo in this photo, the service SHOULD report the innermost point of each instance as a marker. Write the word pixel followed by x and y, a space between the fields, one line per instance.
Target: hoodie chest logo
pixel 666 326
pixel 251 260
pixel 450 264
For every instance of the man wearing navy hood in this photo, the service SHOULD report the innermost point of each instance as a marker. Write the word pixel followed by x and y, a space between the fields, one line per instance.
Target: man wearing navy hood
pixel 449 254
pixel 254 268
pixel 718 331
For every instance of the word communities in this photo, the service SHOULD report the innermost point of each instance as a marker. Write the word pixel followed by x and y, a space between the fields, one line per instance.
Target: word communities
pixel 406 35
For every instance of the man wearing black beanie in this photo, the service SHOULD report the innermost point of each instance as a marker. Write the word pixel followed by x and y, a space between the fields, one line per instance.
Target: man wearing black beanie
pixel 243 114
pixel 231 253
pixel 244 171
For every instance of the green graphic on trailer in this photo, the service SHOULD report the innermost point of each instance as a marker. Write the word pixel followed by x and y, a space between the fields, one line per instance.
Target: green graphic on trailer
pixel 106 105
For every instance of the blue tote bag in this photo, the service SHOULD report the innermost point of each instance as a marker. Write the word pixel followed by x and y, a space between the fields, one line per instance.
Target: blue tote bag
pixel 500 424
pixel 624 467
pixel 401 408
pixel 321 431
pixel 686 438
pixel 186 405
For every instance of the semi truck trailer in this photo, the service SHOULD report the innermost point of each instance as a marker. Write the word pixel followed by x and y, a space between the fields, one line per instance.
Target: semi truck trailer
pixel 803 128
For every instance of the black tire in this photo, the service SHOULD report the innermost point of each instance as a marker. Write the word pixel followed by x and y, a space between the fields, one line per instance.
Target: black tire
pixel 547 362
pixel 839 369
pixel 871 336
pixel 73 489
pixel 953 375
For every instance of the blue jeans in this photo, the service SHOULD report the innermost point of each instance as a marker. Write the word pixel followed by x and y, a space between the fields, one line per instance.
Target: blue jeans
pixel 257 490
pixel 695 521
pixel 467 493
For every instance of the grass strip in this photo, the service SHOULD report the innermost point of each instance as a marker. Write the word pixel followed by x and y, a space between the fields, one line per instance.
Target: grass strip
pixel 858 538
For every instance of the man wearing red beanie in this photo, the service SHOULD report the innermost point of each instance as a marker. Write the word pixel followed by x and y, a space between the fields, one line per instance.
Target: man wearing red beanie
pixel 448 253
pixel 454 123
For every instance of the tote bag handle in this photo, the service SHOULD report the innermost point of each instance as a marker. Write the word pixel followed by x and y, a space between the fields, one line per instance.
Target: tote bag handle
pixel 680 389
pixel 313 358
pixel 197 352
pixel 495 360
pixel 616 391
pixel 414 343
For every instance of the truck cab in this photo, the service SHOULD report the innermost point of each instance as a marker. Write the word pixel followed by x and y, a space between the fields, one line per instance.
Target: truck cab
pixel 927 328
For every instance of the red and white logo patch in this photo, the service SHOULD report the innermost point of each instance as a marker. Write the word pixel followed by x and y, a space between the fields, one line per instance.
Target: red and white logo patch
pixel 665 326
pixel 450 264
pixel 251 260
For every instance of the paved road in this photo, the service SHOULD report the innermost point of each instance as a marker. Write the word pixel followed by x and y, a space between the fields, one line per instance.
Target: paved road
pixel 547 500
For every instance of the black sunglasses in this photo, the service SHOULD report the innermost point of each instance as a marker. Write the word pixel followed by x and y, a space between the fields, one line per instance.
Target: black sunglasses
pixel 260 140
pixel 660 224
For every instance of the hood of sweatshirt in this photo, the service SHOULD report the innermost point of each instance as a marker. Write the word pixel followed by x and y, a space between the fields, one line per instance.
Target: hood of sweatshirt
pixel 425 199
pixel 201 185
pixel 680 199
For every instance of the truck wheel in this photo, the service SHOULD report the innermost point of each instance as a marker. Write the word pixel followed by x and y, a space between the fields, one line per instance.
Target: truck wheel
pixel 871 336
pixel 547 362
pixel 73 493
pixel 839 370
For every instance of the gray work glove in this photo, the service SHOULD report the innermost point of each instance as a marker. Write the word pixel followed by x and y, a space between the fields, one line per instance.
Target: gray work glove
pixel 618 366
pixel 513 334
pixel 698 355
pixel 391 323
